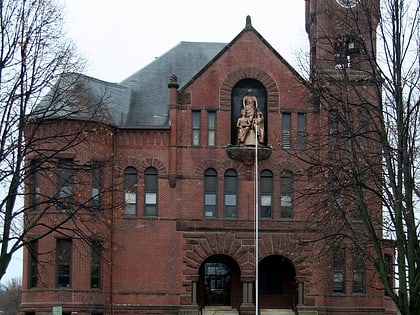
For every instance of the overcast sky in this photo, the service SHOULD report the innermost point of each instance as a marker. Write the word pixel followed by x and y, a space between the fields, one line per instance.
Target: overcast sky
pixel 118 38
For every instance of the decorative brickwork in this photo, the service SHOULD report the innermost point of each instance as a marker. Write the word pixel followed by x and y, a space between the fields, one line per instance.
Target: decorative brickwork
pixel 249 73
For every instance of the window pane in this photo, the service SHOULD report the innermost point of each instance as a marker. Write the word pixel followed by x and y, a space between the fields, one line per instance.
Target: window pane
pixel 150 191
pixel 286 195
pixel 35 179
pixel 130 209
pixel 210 211
pixel 265 200
pixel 196 128
pixel 211 128
pixel 151 198
pixel 150 210
pixel 230 211
pixel 230 200
pixel 130 198
pixel 266 212
pixel 63 261
pixel 210 192
pixel 96 186
pixel 210 199
pixel 95 267
pixel 130 178
pixel 286 201
pixel 211 120
pixel 301 136
pixel 211 138
pixel 286 124
pixel 33 263
pixel 196 120
pixel 338 274
pixel 338 282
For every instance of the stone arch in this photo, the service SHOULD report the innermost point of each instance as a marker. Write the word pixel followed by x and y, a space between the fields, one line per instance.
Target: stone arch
pixel 203 246
pixel 129 161
pixel 156 163
pixel 206 164
pixel 249 73
pixel 288 165
pixel 231 164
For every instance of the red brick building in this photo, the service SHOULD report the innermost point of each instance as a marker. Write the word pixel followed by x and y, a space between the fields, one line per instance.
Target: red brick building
pixel 171 209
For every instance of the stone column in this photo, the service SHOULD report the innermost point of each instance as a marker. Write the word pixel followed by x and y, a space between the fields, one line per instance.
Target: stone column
pixel 300 293
pixel 194 292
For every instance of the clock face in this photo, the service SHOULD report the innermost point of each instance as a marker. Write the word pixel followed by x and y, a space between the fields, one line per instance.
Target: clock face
pixel 348 3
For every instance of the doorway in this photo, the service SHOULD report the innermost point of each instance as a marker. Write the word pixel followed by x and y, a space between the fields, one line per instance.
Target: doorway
pixel 219 282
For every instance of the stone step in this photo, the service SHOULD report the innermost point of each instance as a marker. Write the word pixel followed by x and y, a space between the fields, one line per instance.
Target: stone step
pixel 228 311
pixel 277 312
pixel 219 311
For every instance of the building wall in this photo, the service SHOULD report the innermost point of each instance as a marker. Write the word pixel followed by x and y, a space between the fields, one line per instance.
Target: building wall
pixel 151 265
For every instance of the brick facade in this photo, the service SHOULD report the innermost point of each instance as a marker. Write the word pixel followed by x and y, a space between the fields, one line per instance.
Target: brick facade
pixel 156 264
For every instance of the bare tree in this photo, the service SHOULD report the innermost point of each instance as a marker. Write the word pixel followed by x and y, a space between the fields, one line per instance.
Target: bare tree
pixel 365 168
pixel 47 111
pixel 10 297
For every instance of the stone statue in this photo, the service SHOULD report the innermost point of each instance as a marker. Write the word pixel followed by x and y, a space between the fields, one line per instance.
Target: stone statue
pixel 243 124
pixel 251 121
pixel 259 127
pixel 250 105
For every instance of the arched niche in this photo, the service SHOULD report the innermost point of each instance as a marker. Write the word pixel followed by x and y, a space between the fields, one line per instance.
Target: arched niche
pixel 238 92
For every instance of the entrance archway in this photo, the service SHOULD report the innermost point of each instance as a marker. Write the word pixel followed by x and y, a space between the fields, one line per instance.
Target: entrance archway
pixel 219 282
pixel 277 283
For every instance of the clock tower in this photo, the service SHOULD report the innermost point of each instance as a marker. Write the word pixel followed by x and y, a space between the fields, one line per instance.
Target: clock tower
pixel 342 35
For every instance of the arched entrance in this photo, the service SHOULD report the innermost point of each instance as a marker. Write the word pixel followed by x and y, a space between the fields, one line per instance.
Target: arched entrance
pixel 277 282
pixel 219 282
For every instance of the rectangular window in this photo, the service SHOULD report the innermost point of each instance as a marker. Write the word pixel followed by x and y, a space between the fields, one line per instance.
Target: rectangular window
pixel 96 186
pixel 210 193
pixel 231 186
pixel 286 127
pixel 63 263
pixel 286 195
pixel 150 192
pixel 95 264
pixel 65 181
pixel 211 129
pixel 358 280
pixel 33 263
pixel 35 188
pixel 130 191
pixel 266 188
pixel 196 116
pixel 338 272
pixel 301 133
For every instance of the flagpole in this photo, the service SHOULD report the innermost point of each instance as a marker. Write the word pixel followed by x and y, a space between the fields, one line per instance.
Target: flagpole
pixel 256 221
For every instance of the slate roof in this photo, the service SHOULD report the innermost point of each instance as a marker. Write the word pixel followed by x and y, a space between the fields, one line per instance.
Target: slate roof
pixel 141 100
pixel 149 102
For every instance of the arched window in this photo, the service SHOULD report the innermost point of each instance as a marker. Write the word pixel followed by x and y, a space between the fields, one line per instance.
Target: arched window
pixel 210 193
pixel 286 195
pixel 231 193
pixel 266 194
pixel 150 192
pixel 130 191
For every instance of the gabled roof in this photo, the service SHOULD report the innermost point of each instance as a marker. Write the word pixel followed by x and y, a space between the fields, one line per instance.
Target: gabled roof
pixel 248 28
